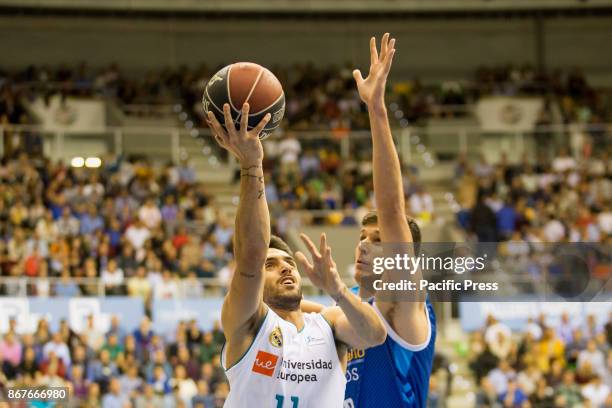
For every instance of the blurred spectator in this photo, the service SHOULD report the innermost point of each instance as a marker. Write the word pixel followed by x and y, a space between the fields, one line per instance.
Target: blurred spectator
pixel 149 398
pixel 102 370
pixel 203 396
pixel 569 392
pixel 513 396
pixel 289 149
pixel 130 382
pixel 66 287
pixel 167 288
pixel 185 386
pixel 114 398
pixel 501 377
pixel 57 347
pixel 592 357
pixel 150 215
pixel 139 285
pixel 596 392
pixel 113 279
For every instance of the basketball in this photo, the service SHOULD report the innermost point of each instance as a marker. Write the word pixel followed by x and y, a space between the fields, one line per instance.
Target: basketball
pixel 246 82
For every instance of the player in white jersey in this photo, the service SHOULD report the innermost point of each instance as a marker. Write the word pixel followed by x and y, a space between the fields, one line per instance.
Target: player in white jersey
pixel 275 355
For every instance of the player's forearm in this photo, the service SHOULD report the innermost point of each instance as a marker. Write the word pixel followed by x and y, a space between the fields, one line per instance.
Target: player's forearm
pixel 252 226
pixel 389 193
pixel 387 175
pixel 362 317
pixel 251 238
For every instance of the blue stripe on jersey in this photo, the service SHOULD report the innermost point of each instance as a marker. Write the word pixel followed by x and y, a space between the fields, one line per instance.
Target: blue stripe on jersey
pixel 390 375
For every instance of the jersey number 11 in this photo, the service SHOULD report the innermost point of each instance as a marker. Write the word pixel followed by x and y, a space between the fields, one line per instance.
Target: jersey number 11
pixel 281 398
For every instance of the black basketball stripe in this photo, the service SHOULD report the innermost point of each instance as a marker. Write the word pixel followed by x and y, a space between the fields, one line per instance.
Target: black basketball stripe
pixel 227 83
pixel 212 102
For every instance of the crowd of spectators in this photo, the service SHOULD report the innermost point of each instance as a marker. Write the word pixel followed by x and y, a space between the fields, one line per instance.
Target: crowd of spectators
pixel 547 364
pixel 561 200
pixel 529 216
pixel 317 98
pixel 568 96
pixel 115 368
pixel 128 223
pixel 322 98
pixel 309 174
pixel 567 92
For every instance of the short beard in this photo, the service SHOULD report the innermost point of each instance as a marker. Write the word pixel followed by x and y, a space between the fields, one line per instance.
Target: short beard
pixel 283 302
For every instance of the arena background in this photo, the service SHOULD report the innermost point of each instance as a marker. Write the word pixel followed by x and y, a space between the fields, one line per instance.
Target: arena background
pixel 101 123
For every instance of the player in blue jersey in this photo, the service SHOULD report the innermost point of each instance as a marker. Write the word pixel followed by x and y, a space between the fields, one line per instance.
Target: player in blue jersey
pixel 396 373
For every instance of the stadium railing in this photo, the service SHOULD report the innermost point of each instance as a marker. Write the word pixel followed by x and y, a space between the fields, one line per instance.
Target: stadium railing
pixel 439 142
pixel 20 286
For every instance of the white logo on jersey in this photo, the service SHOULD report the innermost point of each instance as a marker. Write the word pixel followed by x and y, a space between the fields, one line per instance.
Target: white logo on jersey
pixel 352 374
pixel 313 341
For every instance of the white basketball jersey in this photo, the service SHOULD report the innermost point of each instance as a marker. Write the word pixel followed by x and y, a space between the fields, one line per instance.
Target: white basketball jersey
pixel 285 368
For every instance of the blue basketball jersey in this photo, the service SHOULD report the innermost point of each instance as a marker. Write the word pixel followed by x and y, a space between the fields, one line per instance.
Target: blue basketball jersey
pixel 392 375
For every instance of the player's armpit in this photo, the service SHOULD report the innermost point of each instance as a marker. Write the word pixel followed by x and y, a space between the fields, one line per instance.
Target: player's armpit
pixel 242 303
pixel 364 333
pixel 306 306
pixel 409 320
pixel 241 338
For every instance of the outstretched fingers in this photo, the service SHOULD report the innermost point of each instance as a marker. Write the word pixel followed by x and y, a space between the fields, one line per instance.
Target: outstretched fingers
pixel 373 51
pixel 358 77
pixel 244 119
pixel 303 261
pixel 261 125
pixel 384 45
pixel 229 122
pixel 219 133
pixel 389 61
pixel 310 245
pixel 328 257
pixel 323 244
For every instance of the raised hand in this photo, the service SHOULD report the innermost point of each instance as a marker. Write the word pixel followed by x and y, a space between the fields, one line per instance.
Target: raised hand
pixel 372 89
pixel 244 144
pixel 322 272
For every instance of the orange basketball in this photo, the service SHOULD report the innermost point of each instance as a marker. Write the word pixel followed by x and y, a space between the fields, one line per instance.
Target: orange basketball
pixel 246 82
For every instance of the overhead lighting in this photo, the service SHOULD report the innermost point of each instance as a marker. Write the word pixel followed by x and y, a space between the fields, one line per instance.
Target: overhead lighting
pixel 93 162
pixel 77 162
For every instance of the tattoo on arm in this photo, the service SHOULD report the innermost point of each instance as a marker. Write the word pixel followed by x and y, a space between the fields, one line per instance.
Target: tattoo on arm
pixel 260 178
pixel 247 275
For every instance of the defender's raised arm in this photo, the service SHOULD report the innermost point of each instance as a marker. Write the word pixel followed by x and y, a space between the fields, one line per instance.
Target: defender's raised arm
pixel 407 318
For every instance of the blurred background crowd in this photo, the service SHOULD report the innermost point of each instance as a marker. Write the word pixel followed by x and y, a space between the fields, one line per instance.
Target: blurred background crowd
pixel 561 364
pixel 115 368
pixel 137 226
pixel 558 200
pixel 318 97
